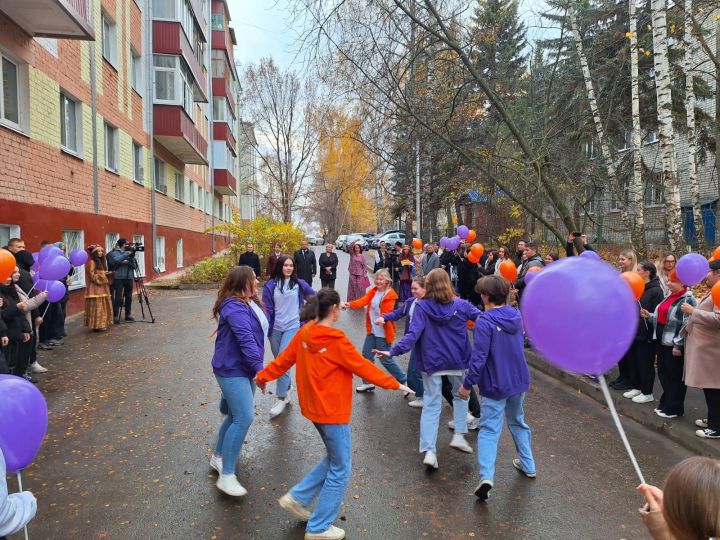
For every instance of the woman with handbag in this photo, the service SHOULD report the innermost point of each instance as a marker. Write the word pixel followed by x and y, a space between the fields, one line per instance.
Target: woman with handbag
pixel 358 281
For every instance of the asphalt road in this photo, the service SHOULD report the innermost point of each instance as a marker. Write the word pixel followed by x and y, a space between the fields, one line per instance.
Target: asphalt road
pixel 133 415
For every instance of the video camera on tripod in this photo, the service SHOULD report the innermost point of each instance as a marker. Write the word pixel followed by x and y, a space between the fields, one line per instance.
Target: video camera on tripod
pixel 133 247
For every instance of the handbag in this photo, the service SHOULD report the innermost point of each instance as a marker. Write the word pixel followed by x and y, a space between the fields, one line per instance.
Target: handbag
pixel 366 281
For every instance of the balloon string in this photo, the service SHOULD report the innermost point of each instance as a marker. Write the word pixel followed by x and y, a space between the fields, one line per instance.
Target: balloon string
pixel 44 312
pixel 19 478
pixel 618 425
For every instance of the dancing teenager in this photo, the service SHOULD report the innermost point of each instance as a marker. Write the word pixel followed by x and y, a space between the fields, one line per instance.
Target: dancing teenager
pixel 325 362
pixel 283 297
pixel 239 352
pixel 439 327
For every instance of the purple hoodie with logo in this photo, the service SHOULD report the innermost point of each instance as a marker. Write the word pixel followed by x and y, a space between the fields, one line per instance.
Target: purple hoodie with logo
pixel 240 341
pixel 497 364
pixel 440 335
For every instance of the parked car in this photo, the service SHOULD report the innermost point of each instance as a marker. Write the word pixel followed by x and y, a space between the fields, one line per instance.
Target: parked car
pixel 356 238
pixel 315 239
pixel 340 241
pixel 375 243
pixel 390 238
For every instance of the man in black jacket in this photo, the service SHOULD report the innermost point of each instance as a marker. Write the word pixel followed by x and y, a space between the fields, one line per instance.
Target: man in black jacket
pixel 532 260
pixel 251 259
pixel 305 264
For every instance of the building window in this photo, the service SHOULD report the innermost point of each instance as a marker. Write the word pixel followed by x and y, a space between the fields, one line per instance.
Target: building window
pixel 219 109
pixel 137 71
pixel 651 137
pixel 75 240
pixel 179 253
pixel 218 21
pixel 624 193
pixel 626 142
pixel 138 163
pixel 111 148
pixel 70 124
pixel 160 183
pixel 165 9
pixel 7 232
pixel 179 187
pixel 140 255
pixel 109 40
pixel 654 194
pixel 191 192
pixel 589 149
pixel 173 82
pixel 200 197
pixel 160 253
pixel 208 208
pixel 111 239
pixel 10 91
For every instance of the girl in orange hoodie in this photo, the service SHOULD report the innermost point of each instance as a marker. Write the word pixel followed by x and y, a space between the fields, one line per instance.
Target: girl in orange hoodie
pixel 325 362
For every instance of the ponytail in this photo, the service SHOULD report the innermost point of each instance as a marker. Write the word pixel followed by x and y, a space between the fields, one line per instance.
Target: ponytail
pixel 318 306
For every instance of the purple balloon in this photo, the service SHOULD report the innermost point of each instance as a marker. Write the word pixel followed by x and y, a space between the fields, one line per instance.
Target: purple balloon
pixel 590 254
pixel 529 277
pixel 78 257
pixel 692 268
pixel 586 296
pixel 462 231
pixel 56 291
pixel 55 268
pixel 453 243
pixel 443 240
pixel 48 252
pixel 23 421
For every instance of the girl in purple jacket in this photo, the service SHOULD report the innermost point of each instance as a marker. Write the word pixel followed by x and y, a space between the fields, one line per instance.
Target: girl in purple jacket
pixel 239 352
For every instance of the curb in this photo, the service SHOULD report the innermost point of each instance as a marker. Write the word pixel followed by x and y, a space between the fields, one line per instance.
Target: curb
pixel 675 430
pixel 182 286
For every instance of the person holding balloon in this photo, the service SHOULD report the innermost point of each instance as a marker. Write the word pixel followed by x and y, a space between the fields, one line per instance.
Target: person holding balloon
pixel 468 274
pixel 98 303
pixel 29 309
pixel 18 327
pixel 668 319
pixel 702 335
pixel 16 509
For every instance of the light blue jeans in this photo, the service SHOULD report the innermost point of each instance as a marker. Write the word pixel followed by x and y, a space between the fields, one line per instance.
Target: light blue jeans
pixel 238 395
pixel 279 340
pixel 432 403
pixel 380 343
pixel 491 423
pixel 328 479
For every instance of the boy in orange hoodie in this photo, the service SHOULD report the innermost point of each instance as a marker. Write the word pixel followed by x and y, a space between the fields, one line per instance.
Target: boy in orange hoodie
pixel 325 363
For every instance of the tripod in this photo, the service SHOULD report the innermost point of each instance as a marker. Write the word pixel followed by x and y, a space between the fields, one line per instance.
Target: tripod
pixel 142 294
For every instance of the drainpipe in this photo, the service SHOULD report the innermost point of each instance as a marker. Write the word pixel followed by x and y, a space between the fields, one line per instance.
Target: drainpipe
pixel 149 100
pixel 211 171
pixel 93 104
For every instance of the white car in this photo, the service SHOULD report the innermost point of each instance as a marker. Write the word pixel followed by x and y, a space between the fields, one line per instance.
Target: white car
pixel 315 240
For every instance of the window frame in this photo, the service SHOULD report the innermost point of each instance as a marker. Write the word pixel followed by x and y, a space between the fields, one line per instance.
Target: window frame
pixel 160 241
pixel 109 38
pixel 160 172
pixel 140 255
pixel 77 113
pixel 138 163
pixel 13 232
pixel 179 255
pixel 78 275
pixel 191 194
pixel 180 181
pixel 22 93
pixel 111 239
pixel 136 69
pixel 112 167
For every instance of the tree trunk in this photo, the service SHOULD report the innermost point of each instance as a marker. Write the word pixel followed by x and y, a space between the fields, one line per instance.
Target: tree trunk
pixel 690 53
pixel 597 120
pixel 637 232
pixel 665 128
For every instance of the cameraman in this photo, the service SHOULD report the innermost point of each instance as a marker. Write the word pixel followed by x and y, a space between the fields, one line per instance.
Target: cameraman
pixel 121 261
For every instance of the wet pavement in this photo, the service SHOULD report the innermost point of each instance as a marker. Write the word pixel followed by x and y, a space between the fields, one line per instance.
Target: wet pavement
pixel 133 415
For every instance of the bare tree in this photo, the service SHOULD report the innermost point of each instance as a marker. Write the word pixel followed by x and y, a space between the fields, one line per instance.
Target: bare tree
pixel 284 111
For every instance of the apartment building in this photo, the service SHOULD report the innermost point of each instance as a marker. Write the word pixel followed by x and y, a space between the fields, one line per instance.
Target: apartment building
pixel 118 119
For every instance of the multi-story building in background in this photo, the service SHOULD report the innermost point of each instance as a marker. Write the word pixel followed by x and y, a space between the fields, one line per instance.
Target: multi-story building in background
pixel 106 128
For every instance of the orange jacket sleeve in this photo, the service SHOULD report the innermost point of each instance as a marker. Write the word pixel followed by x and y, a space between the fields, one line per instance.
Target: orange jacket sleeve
pixel 281 364
pixel 351 360
pixel 361 302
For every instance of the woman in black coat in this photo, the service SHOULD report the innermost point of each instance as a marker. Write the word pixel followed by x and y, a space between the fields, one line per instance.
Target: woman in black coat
pixel 468 274
pixel 18 327
pixel 328 262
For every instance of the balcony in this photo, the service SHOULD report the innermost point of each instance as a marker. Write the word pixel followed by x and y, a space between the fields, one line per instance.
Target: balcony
pixel 66 19
pixel 169 38
pixel 174 129
pixel 222 132
pixel 225 183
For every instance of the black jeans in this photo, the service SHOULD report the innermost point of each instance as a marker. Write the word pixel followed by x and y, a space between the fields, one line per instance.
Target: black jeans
pixel 627 366
pixel 670 373
pixel 3 368
pixel 122 292
pixel 644 375
pixel 473 406
pixel 712 398
pixel 329 283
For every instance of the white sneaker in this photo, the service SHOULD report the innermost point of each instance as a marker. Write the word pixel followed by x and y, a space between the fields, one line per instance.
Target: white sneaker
pixel 474 424
pixel 416 403
pixel 663 415
pixel 643 398
pixel 365 387
pixel 430 460
pixel 291 504
pixel 35 367
pixel 228 483
pixel 632 393
pixel 279 407
pixel 701 422
pixel 333 533
pixel 216 463
pixel 470 420
pixel 459 443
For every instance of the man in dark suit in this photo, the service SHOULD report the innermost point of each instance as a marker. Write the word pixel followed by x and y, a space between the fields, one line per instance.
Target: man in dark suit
pixel 305 264
pixel 251 259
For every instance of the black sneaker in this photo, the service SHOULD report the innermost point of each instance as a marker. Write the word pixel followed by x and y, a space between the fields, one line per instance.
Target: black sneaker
pixel 129 319
pixel 116 320
pixel 29 377
pixel 708 433
pixel 482 492
pixel 620 385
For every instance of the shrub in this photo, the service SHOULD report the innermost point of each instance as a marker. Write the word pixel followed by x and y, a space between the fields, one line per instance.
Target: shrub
pixel 210 270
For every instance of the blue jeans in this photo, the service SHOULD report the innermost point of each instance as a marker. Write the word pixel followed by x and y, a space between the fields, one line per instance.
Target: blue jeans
pixel 238 393
pixel 414 377
pixel 279 340
pixel 491 423
pixel 430 417
pixel 329 478
pixel 380 343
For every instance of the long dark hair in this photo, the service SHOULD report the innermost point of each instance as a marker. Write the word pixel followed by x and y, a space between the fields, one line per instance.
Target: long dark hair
pixel 278 274
pixel 236 283
pixel 318 306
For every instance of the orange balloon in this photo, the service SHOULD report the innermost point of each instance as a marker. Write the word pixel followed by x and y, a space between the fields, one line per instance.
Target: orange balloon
pixel 715 293
pixel 716 253
pixel 473 258
pixel 472 235
pixel 477 249
pixel 635 282
pixel 508 270
pixel 417 243
pixel 7 264
pixel 533 269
